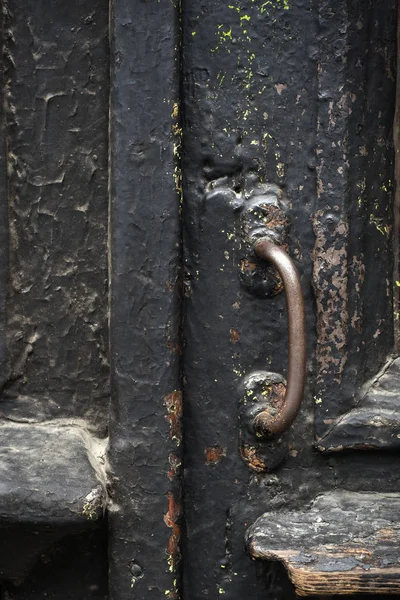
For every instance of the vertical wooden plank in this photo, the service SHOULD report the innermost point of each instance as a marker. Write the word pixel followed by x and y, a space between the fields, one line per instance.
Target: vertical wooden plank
pixel 4 270
pixel 55 206
pixel 249 85
pixel 396 141
pixel 353 221
pixel 146 404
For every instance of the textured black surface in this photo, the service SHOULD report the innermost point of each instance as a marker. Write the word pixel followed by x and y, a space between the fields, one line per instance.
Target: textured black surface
pixel 354 217
pixel 145 429
pixel 71 569
pixel 250 96
pixel 53 300
pixel 288 93
pixel 56 72
pixel 297 95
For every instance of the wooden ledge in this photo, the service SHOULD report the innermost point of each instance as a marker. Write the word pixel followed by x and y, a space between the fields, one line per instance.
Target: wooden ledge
pixel 374 422
pixel 49 473
pixel 51 486
pixel 344 543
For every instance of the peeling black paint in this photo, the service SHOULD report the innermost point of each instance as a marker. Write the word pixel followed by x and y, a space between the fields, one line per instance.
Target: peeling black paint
pixel 297 96
pixel 289 93
pixel 145 435
pixel 56 134
pixel 355 169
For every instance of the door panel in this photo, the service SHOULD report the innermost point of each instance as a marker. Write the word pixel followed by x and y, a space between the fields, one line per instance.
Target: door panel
pixel 250 93
pixel 354 217
pixel 145 144
pixel 56 94
pixel 300 98
pixel 54 299
pixel 146 399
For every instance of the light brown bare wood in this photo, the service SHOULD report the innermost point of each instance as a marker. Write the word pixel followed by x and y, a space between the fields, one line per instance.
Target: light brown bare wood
pixel 345 543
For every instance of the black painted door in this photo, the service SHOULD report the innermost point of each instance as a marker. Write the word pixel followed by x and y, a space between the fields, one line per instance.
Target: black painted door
pixel 287 113
pixel 144 142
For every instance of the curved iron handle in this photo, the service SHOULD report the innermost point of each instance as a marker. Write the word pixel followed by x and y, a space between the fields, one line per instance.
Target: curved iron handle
pixel 264 424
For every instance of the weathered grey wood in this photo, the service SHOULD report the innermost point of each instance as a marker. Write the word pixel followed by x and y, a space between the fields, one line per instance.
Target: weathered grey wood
pixel 4 217
pixel 52 485
pixel 375 421
pixel 345 543
pixel 50 474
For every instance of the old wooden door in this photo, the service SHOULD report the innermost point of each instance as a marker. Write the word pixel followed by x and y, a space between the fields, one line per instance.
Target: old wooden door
pixel 144 144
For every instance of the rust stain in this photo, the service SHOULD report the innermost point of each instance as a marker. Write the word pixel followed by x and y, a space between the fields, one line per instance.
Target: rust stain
pixel 174 347
pixel 173 402
pixel 235 335
pixel 171 519
pixel 274 218
pixel 247 266
pixel 249 455
pixel 266 215
pixel 275 392
pixel 214 454
pixel 174 463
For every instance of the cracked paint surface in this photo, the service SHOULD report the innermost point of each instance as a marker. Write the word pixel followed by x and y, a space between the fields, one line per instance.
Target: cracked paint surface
pixel 57 128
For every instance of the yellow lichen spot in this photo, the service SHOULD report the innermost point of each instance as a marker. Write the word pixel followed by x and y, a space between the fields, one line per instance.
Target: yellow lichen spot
pixel 383 229
pixel 221 77
pixel 317 400
pixel 175 110
pixel 89 511
pixel 280 169
pixel 238 372
pixel 274 4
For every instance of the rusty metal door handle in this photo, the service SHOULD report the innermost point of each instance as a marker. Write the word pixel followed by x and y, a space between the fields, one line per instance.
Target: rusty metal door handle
pixel 264 423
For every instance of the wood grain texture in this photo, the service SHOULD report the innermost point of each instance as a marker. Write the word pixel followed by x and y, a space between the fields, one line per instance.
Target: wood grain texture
pixel 375 420
pixel 52 486
pixel 345 543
